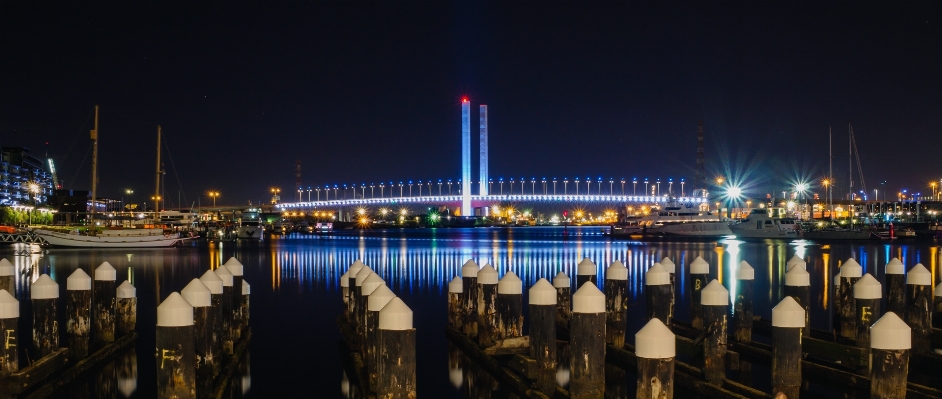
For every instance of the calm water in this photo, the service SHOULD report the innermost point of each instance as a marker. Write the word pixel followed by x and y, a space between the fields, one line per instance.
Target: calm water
pixel 296 298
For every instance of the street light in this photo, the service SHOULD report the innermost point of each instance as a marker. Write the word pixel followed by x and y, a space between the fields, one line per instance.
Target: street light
pixel 634 186
pixel 213 195
pixel 127 191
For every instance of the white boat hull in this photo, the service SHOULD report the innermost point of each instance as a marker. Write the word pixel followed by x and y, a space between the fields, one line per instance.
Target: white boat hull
pixel 76 240
pixel 250 232
pixel 697 229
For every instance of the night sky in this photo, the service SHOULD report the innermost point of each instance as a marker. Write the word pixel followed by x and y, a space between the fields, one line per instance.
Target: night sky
pixel 367 93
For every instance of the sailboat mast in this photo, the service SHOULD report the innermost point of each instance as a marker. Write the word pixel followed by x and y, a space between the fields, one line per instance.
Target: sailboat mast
pixel 94 135
pixel 157 185
pixel 850 162
pixel 830 175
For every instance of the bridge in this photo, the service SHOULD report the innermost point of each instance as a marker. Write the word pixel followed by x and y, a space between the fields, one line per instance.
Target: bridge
pixel 489 200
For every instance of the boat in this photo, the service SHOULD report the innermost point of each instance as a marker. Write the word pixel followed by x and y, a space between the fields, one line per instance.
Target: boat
pixel 761 223
pixel 249 225
pixel 679 219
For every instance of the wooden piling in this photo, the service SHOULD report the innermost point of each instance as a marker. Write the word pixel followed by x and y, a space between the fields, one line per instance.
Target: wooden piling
pixel 745 277
pixel 937 316
pixel 919 314
pixel 798 286
pixel 700 277
pixel 369 285
pixel 469 300
pixel 378 299
pixel 850 273
pixel 7 278
pixel 655 349
pixel 104 307
pixel 44 293
pixel 246 293
pixel 214 284
pixel 9 334
pixel 563 286
pixel 235 267
pixel 657 294
pixel 586 271
pixel 587 342
pixel 616 303
pixel 542 301
pixel 835 311
pixel 671 270
pixel 896 288
pixel 345 294
pixel 890 343
pixel 487 306
pixel 509 306
pixel 225 306
pixel 454 303
pixel 176 356
pixel 868 294
pixel 715 300
pixel 125 309
pixel 198 296
pixel 395 372
pixel 359 310
pixel 351 285
pixel 788 320
pixel 78 311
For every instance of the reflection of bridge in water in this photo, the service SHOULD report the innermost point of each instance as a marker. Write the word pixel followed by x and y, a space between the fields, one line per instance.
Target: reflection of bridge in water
pixel 479 201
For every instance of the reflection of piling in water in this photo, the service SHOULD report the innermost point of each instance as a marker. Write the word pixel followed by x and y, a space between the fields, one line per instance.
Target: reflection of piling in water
pixel 867 295
pixel 126 370
pixel 78 310
pixel 586 272
pixel 396 352
pixel 105 386
pixel 563 361
pixel 850 273
pixel 919 287
pixel 798 286
pixel 655 345
pixel 125 309
pixel 657 294
pixel 198 296
pixel 487 306
pixel 9 334
pixel 7 281
pixel 509 307
pixel 616 298
pixel 715 300
pixel 745 279
pixel 225 302
pixel 104 310
pixel 563 286
pixel 890 344
pixel 469 292
pixel 235 267
pixel 454 303
pixel 788 320
pixel 455 366
pixel 587 343
pixel 895 288
pixel 377 300
pixel 176 356
pixel 542 298
pixel 699 276
pixel 44 294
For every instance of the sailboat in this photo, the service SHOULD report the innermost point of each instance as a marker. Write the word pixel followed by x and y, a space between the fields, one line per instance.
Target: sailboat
pixel 110 237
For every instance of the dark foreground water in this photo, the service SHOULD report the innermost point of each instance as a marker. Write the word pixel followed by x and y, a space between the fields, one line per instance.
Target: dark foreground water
pixel 296 297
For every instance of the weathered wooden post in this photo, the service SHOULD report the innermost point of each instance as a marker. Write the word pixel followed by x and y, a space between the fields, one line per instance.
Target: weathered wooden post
pixel 919 316
pixel 699 278
pixel 868 294
pixel 469 292
pixel 795 261
pixel 937 317
pixel 788 320
pixel 509 306
pixel 125 309
pixel 246 292
pixel 44 293
pixel 235 267
pixel 359 310
pixel 836 304
pixel 715 306
pixel 655 347
pixel 369 285
pixel 351 288
pixel 850 273
pixel 543 333
pixel 199 297
pixel 563 286
pixel 374 304
pixel 176 356
pixel 9 334
pixel 745 277
pixel 587 342
pixel 889 357
pixel 896 288
pixel 78 311
pixel 671 269
pixel 395 371
pixel 345 294
pixel 616 309
pixel 657 294
pixel 798 286
pixel 586 271
pixel 214 283
pixel 103 326
pixel 7 280
pixel 487 306
pixel 454 303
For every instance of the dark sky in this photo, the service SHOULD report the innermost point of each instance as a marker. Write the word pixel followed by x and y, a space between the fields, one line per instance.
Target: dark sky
pixel 370 92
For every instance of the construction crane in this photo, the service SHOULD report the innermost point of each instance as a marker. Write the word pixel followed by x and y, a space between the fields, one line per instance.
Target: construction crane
pixel 52 169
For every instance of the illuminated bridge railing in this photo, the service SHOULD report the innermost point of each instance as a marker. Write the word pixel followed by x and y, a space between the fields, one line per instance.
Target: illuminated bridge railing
pixel 437 199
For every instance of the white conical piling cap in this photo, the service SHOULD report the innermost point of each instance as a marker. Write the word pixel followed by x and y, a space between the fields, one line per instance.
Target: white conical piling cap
pixel 456 286
pixel 196 294
pixel 797 277
pixel 470 269
pixel 562 281
pixel 715 294
pixel 657 275
pixel 669 265
pixel 379 298
pixel 617 271
pixel 395 316
pixel 105 272
pixel 890 333
pixel 795 263
pixel 837 279
pixel 345 280
pixel 587 268
pixel 226 276
pixel 655 341
pixel 895 267
pixel 795 259
pixel 174 312
pixel 788 313
pixel 212 281
pixel 235 267
pixel 355 268
pixel 868 288
pixel 745 271
pixel 78 281
pixel 6 268
pixel 246 288
pixel 9 306
pixel 919 275
pixel 699 266
pixel 364 272
pixel 510 284
pixel 542 293
pixel 588 299
pixel 851 269
pixel 125 291
pixel 938 290
pixel 44 288
pixel 487 275
pixel 370 283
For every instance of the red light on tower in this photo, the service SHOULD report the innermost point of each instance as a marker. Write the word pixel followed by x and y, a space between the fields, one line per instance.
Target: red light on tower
pixel 464 99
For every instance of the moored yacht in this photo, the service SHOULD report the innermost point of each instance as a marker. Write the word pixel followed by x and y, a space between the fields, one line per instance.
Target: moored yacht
pixel 762 223
pixel 250 225
pixel 675 218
